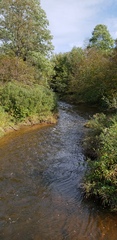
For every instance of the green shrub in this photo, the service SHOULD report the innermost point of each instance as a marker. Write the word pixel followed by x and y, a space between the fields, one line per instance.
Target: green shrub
pixel 22 101
pixel 92 141
pixel 101 180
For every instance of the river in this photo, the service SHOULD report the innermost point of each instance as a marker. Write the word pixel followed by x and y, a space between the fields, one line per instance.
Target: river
pixel 41 171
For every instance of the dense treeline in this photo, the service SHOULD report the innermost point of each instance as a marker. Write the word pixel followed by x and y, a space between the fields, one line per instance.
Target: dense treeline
pixel 25 66
pixel 86 76
pixel 90 76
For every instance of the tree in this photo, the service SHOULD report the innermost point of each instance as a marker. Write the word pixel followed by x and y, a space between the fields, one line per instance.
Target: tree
pixel 59 81
pixel 101 38
pixel 13 68
pixel 75 59
pixel 24 28
pixel 44 67
pixel 93 76
pixel 66 71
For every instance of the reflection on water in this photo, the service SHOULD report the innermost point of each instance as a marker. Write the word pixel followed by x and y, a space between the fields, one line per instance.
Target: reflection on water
pixel 40 176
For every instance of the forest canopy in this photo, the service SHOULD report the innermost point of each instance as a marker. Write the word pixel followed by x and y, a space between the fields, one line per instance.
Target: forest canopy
pixel 24 28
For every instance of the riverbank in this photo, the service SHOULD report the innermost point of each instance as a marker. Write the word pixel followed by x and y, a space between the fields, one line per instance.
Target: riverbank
pixel 22 105
pixel 28 123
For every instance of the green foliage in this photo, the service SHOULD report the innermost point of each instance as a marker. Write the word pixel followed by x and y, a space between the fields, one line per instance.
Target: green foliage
pixel 98 123
pixel 101 180
pixel 24 28
pixel 26 42
pixel 75 60
pixel 44 69
pixel 101 38
pixel 59 81
pixel 92 76
pixel 66 71
pixel 111 82
pixel 82 74
pixel 13 68
pixel 22 101
pixel 92 140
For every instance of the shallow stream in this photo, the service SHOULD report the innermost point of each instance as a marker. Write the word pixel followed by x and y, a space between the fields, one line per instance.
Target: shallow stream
pixel 41 171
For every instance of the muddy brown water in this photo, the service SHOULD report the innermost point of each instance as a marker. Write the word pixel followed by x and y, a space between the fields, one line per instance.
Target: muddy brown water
pixel 41 171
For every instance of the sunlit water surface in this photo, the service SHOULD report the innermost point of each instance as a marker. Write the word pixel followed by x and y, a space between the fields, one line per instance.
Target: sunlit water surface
pixel 41 171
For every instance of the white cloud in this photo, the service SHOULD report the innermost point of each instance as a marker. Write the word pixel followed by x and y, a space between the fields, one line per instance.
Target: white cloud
pixel 72 21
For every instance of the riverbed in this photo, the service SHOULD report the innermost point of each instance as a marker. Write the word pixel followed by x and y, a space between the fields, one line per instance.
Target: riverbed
pixel 41 173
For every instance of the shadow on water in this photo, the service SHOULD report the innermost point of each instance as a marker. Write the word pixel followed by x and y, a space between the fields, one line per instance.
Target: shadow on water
pixel 40 175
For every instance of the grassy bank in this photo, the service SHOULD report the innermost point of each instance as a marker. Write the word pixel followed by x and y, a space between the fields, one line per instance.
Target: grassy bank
pixel 25 105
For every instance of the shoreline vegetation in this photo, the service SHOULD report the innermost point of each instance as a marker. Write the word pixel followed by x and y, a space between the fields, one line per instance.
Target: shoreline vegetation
pixel 31 77
pixel 23 105
pixel 100 148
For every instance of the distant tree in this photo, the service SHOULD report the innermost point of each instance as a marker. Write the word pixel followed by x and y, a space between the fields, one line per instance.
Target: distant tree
pixel 24 28
pixel 67 71
pixel 101 38
pixel 59 81
pixel 93 76
pixel 75 59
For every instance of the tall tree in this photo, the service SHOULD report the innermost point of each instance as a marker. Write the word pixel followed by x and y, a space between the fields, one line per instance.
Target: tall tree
pixel 24 28
pixel 101 38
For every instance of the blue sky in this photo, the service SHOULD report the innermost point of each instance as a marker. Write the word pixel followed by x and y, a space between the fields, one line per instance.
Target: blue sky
pixel 71 22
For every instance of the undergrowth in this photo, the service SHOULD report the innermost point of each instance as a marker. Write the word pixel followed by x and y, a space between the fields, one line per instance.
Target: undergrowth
pixel 19 102
pixel 101 178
